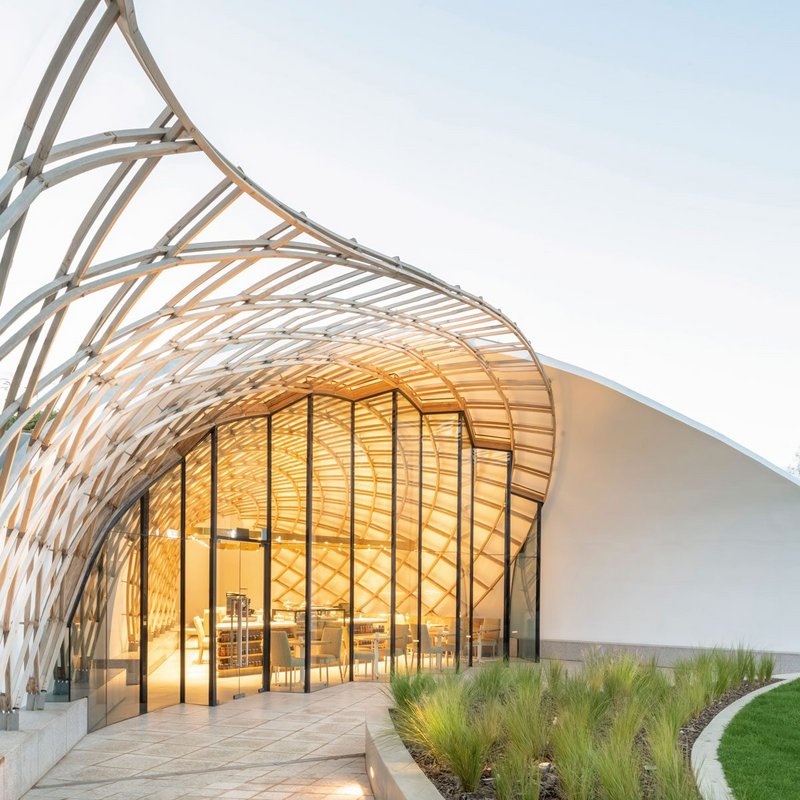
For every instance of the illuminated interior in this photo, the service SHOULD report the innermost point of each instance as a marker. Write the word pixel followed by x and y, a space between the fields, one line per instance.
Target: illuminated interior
pixel 272 516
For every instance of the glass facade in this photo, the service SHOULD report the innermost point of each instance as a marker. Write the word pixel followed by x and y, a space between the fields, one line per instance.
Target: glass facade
pixel 330 540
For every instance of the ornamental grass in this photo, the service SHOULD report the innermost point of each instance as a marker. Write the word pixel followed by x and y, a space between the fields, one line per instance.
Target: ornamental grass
pixel 608 731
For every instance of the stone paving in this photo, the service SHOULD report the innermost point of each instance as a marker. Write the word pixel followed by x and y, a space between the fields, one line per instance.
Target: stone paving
pixel 272 746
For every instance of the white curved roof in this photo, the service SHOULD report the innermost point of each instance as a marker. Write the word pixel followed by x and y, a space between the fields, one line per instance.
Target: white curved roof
pixel 548 361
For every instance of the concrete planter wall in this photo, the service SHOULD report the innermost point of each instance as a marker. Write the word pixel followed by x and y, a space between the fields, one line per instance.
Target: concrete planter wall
pixel 44 738
pixel 393 773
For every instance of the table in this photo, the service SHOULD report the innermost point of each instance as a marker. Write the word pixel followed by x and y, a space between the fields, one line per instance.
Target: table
pixel 376 637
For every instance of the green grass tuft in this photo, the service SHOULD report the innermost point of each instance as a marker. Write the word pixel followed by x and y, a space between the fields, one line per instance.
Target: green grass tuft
pixel 766 666
pixel 611 730
pixel 516 777
pixel 408 688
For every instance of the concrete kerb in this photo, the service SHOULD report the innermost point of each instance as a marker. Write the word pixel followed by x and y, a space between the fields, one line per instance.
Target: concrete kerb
pixel 708 771
pixel 392 772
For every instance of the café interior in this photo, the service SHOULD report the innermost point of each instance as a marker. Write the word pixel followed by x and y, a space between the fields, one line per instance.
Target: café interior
pixel 329 540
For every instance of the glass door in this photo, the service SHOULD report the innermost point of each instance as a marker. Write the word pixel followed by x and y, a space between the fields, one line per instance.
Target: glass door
pixel 240 619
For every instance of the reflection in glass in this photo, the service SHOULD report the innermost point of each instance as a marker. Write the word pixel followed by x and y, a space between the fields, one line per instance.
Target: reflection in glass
pixel 372 523
pixel 439 539
pixel 164 592
pixel 288 532
pixel 465 512
pixel 330 553
pixel 408 497
pixel 241 529
pixel 88 643
pixel 198 547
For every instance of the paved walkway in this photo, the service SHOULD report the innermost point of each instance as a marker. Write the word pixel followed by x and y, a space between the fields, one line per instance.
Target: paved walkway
pixel 273 746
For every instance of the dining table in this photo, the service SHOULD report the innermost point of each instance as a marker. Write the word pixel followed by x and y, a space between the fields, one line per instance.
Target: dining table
pixel 375 638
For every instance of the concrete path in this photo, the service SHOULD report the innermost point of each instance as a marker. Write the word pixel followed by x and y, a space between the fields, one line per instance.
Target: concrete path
pixel 273 746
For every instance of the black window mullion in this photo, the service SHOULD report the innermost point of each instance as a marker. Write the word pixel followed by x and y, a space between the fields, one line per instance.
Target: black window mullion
pixel 393 542
pixel 309 531
pixel 266 632
pixel 182 578
pixel 537 640
pixel 419 553
pixel 144 525
pixel 351 627
pixel 507 565
pixel 459 509
pixel 212 578
pixel 470 631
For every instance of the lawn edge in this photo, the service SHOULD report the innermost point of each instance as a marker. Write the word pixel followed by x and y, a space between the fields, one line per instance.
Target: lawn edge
pixel 706 765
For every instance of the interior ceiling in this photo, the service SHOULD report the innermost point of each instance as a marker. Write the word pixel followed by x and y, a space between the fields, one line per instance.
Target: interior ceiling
pixel 199 324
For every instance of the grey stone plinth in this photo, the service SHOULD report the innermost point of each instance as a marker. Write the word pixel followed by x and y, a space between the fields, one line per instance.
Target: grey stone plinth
pixel 43 739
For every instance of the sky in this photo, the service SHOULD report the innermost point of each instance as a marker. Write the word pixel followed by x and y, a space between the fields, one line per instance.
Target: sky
pixel 622 179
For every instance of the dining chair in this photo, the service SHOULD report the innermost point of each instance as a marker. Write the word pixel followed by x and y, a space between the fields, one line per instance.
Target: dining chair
pixel 402 638
pixel 489 635
pixel 426 647
pixel 281 655
pixel 202 639
pixel 329 652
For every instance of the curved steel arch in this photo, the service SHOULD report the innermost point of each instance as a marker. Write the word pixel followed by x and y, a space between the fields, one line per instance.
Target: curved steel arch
pixel 254 323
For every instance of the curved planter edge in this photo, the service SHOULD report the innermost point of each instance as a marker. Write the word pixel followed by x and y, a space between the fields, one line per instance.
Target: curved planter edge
pixel 707 768
pixel 392 772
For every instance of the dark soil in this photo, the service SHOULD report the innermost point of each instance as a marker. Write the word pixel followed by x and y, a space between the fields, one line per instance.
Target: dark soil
pixel 450 788
pixel 692 730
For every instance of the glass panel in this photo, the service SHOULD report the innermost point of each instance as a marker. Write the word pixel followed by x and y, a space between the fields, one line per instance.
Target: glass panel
pixel 288 531
pixel 523 588
pixel 241 524
pixel 439 577
pixel 373 515
pixel 330 559
pixel 88 642
pixel 488 526
pixel 198 530
pixel 123 587
pixel 240 627
pixel 251 589
pixel 408 493
pixel 164 592
pixel 58 689
pixel 466 550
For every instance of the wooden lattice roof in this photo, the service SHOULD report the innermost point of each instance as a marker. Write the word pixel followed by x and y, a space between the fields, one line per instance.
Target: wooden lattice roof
pixel 200 325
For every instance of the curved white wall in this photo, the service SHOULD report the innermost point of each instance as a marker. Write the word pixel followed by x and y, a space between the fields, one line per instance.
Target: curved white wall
pixel 657 531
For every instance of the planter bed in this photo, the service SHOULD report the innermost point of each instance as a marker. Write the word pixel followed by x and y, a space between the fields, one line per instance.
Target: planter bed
pixel 649 777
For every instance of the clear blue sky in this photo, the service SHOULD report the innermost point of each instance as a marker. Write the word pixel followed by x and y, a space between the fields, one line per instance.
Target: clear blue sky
pixel 622 179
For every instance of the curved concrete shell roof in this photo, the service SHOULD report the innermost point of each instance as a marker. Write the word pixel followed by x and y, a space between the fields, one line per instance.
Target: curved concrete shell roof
pixel 201 324
pixel 661 534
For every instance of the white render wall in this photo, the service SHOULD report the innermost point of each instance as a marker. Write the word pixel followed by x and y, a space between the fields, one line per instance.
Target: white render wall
pixel 657 531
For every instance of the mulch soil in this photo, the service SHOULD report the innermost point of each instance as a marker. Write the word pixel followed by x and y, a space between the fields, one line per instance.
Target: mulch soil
pixel 450 788
pixel 692 730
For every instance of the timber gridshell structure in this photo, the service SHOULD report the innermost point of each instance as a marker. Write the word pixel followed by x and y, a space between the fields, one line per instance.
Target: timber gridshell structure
pixel 191 331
